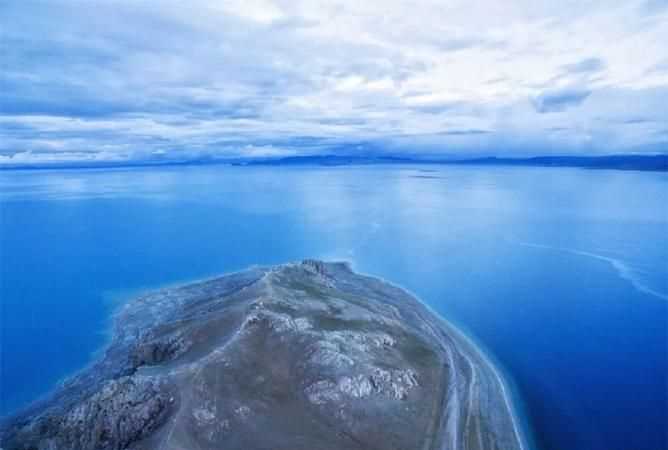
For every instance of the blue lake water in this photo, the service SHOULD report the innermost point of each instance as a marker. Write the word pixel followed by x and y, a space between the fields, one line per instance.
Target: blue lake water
pixel 561 274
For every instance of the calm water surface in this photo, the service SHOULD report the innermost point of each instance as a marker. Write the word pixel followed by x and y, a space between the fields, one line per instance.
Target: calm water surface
pixel 561 274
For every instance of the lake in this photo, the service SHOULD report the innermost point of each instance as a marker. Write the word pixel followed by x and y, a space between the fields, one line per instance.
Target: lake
pixel 560 274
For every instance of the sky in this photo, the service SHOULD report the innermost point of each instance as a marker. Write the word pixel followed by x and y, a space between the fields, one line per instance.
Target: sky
pixel 171 80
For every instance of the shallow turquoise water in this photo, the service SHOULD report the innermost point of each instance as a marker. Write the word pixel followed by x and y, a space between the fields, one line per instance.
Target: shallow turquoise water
pixel 561 274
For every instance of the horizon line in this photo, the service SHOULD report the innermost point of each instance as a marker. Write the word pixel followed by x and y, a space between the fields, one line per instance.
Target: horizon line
pixel 629 161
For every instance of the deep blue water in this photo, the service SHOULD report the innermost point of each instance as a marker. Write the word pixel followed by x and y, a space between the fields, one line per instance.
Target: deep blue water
pixel 561 274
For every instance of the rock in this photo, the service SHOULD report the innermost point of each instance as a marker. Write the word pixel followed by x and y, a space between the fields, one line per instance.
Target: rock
pixel 124 411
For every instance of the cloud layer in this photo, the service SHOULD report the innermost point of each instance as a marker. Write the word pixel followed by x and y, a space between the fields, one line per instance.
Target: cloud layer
pixel 173 80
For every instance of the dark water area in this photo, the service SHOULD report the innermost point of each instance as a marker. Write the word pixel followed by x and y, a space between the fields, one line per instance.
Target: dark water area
pixel 560 274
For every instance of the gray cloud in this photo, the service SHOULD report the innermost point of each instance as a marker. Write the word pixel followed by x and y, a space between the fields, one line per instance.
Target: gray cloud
pixel 560 99
pixel 586 65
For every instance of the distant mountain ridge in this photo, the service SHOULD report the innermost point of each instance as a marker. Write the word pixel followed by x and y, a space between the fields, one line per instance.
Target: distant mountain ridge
pixel 622 162
pixel 657 162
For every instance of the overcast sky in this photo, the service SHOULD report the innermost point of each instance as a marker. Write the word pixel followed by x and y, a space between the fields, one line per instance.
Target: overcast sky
pixel 138 80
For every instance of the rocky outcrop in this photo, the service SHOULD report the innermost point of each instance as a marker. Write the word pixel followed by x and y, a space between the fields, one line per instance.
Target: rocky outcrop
pixel 123 411
pixel 298 356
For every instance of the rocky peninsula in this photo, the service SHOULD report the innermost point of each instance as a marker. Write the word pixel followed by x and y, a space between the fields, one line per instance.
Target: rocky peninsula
pixel 299 356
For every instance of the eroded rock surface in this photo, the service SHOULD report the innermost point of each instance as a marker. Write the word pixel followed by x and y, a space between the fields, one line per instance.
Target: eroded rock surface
pixel 297 356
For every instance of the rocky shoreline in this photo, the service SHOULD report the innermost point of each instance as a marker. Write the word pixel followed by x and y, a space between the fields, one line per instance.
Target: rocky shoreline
pixel 297 356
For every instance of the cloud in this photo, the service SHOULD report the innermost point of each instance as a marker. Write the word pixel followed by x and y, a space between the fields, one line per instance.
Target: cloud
pixel 251 151
pixel 585 66
pixel 655 6
pixel 465 132
pixel 136 80
pixel 560 99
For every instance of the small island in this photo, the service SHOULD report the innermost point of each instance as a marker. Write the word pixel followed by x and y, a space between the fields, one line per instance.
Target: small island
pixel 306 356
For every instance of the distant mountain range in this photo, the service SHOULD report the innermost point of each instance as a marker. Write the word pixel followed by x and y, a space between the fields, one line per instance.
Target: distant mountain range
pixel 624 162
pixel 619 162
